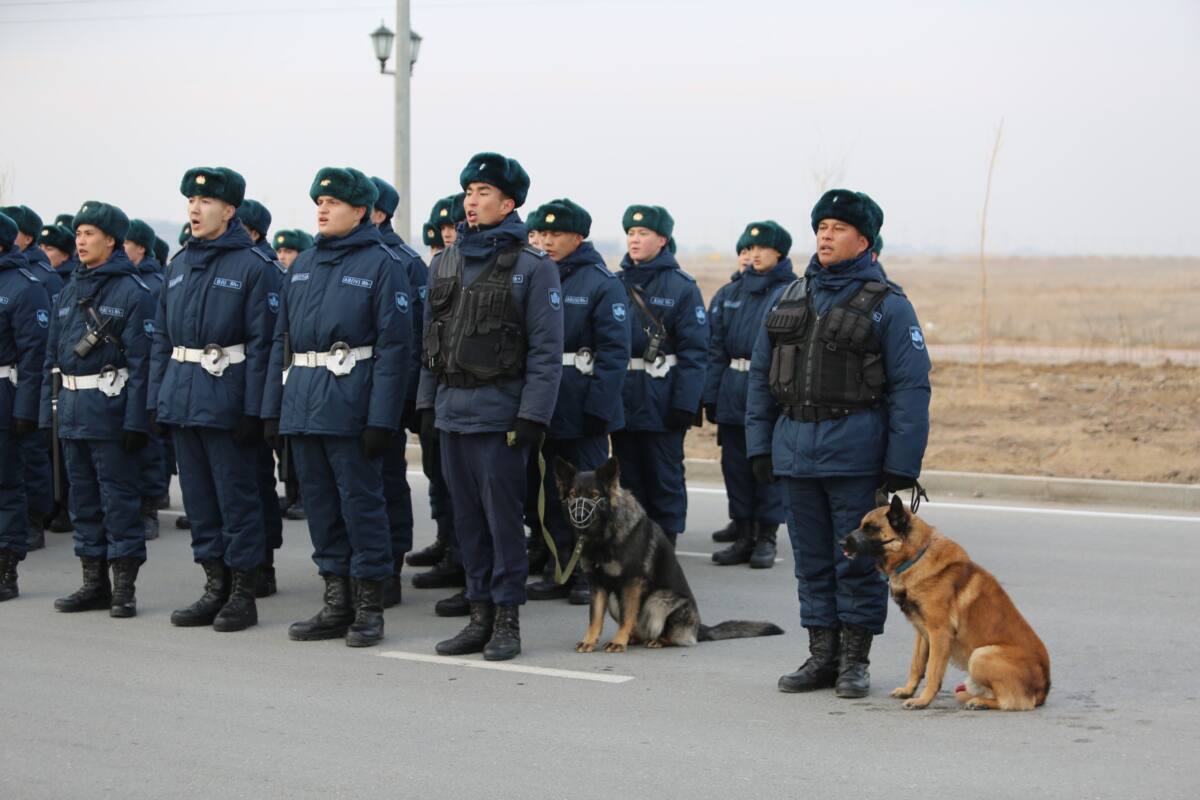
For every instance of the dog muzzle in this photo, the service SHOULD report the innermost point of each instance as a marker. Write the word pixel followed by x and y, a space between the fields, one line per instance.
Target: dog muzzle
pixel 581 511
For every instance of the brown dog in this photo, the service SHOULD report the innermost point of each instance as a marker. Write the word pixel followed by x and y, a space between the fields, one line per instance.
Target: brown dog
pixel 960 612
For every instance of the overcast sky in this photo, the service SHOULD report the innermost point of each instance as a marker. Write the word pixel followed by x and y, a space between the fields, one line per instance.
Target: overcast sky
pixel 724 112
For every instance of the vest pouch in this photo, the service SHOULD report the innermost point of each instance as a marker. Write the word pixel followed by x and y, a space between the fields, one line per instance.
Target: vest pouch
pixel 782 376
pixel 442 296
pixel 873 374
pixel 787 321
pixel 432 343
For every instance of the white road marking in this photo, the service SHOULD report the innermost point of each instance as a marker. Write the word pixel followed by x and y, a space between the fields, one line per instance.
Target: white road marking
pixel 449 661
pixel 692 554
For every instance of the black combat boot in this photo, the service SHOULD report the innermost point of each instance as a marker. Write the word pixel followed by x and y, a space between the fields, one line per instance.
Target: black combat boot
pixel 505 643
pixel 37 533
pixel 474 637
pixel 183 523
pixel 742 548
pixel 163 503
pixel 821 669
pixel 264 583
pixel 853 680
pixel 447 572
pixel 8 575
pixel 538 553
pixel 763 556
pixel 547 588
pixel 216 592
pixel 393 590
pixel 367 628
pixel 581 591
pixel 61 522
pixel 124 576
pixel 428 556
pixel 455 605
pixel 240 611
pixel 296 511
pixel 727 534
pixel 149 514
pixel 334 618
pixel 96 592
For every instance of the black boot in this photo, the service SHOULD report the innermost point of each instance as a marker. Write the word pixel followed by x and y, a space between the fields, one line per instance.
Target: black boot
pixel 474 637
pixel 216 592
pixel 821 669
pixel 8 575
pixel 149 513
pixel 727 534
pixel 740 551
pixel 61 522
pixel 763 556
pixel 428 556
pixel 162 503
pixel 183 523
pixel 367 628
pixel 240 611
pixel 296 511
pixel 393 590
pixel 447 572
pixel 334 618
pixel 455 605
pixel 853 680
pixel 547 588
pixel 37 533
pixel 505 643
pixel 264 583
pixel 581 591
pixel 96 592
pixel 124 577
pixel 538 553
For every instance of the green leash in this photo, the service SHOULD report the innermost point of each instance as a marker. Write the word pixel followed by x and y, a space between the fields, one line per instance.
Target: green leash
pixel 560 573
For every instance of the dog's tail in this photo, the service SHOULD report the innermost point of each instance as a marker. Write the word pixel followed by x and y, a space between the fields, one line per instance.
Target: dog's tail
pixel 737 629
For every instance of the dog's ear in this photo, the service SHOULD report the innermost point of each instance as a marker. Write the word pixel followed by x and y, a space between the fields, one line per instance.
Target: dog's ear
pixel 898 517
pixel 564 475
pixel 609 473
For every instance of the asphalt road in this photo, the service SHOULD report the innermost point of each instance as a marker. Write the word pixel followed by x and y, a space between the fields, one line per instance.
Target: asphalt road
pixel 97 707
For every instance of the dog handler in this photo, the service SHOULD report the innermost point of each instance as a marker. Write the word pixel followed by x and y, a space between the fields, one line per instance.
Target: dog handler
pixel 838 408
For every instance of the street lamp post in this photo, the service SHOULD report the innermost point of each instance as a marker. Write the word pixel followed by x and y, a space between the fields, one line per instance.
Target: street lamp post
pixel 408 45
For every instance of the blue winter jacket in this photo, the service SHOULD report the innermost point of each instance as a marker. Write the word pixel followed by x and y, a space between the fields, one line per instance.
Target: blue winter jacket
pixel 596 317
pixel 40 264
pixel 346 289
pixel 24 327
pixel 417 275
pixel 673 297
pixel 66 268
pixel 735 317
pixel 888 438
pixel 121 297
pixel 151 272
pixel 214 294
pixel 537 293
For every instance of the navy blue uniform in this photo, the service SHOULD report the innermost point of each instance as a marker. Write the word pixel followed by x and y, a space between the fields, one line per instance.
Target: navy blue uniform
pixel 214 295
pixel 38 469
pixel 650 452
pixel 487 476
pixel 347 290
pixel 24 326
pixel 273 276
pixel 155 472
pixel 105 498
pixel 735 318
pixel 832 468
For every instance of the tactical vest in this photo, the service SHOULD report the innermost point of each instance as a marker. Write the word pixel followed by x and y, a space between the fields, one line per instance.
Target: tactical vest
pixel 826 366
pixel 477 334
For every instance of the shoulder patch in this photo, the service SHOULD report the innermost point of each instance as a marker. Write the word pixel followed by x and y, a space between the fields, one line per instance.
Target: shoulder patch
pixel 140 282
pixel 603 270
pixel 701 317
pixel 28 274
pixel 916 337
pixel 408 251
pixel 261 254
pixel 555 299
pixel 43 318
pixel 389 251
pixel 618 312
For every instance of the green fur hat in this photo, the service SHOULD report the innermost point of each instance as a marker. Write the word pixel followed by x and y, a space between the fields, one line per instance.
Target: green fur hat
pixel 506 174
pixel 432 235
pixel 655 218
pixel 768 233
pixel 220 183
pixel 185 233
pixel 161 250
pixel 58 236
pixel 294 239
pixel 28 222
pixel 254 215
pixel 346 184
pixel 8 231
pixel 561 215
pixel 108 218
pixel 141 233
pixel 853 208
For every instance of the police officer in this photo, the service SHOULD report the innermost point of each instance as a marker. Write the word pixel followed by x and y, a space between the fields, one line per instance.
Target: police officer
pixel 668 351
pixel 838 408
pixel 24 325
pixel 493 360
pixel 291 243
pixel 737 314
pixel 345 313
pixel 209 366
pixel 57 241
pixel 161 251
pixel 596 345
pixel 396 490
pixel 99 345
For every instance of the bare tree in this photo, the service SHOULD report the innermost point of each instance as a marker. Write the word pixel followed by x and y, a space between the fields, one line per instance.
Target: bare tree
pixel 983 306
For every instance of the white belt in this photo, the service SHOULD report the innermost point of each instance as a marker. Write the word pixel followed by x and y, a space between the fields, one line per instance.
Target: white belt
pixel 584 361
pixel 659 369
pixel 340 359
pixel 212 358
pixel 110 382
pixel 9 371
pixel 739 364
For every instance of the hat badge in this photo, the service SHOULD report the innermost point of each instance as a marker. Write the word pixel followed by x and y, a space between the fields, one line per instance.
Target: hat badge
pixel 444 213
pixel 82 209
pixel 482 166
pixel 550 218
pixel 754 231
pixel 638 216
pixel 201 180
pixel 325 182
pixel 279 240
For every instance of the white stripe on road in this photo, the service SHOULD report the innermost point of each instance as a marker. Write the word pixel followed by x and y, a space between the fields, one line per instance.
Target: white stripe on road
pixel 548 672
pixel 691 554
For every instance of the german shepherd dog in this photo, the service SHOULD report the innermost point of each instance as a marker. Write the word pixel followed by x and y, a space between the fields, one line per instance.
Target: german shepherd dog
pixel 632 569
pixel 961 614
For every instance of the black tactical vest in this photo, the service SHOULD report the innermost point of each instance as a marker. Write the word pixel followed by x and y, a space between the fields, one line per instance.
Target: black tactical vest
pixel 476 335
pixel 826 367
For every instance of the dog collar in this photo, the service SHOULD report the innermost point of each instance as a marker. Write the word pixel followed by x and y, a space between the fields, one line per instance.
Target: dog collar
pixel 907 564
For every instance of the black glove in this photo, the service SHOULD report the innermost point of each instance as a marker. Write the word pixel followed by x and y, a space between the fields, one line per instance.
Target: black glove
pixel 248 431
pixel 593 425
pixel 763 469
pixel 271 433
pixel 428 427
pixel 893 483
pixel 529 432
pixel 133 441
pixel 24 427
pixel 710 413
pixel 376 441
pixel 679 419
pixel 408 418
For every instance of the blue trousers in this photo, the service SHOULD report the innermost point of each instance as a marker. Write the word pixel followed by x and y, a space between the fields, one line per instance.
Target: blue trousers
pixel 585 454
pixel 220 495
pixel 749 500
pixel 398 496
pixel 38 475
pixel 154 479
pixel 14 513
pixel 652 468
pixel 105 499
pixel 489 484
pixel 440 506
pixel 833 589
pixel 343 497
pixel 272 518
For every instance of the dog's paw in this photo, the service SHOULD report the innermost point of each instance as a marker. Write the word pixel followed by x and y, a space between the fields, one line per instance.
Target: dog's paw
pixel 976 704
pixel 903 692
pixel 614 647
pixel 585 647
pixel 655 644
pixel 915 703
